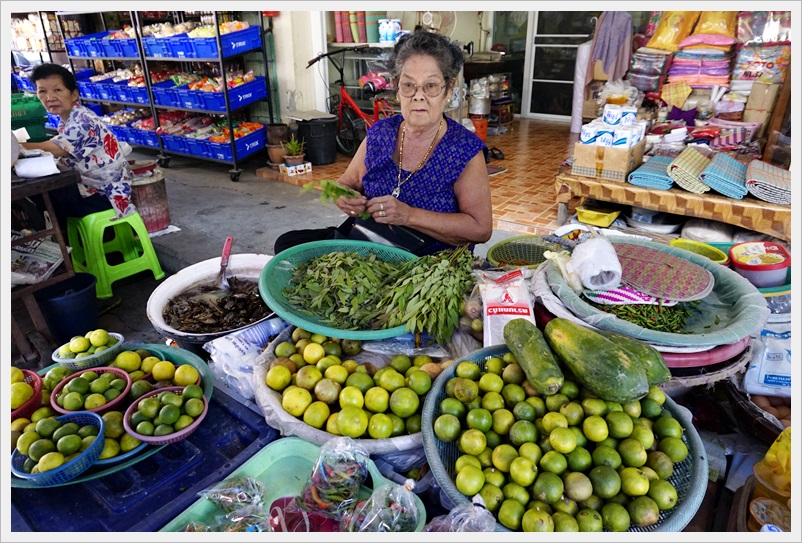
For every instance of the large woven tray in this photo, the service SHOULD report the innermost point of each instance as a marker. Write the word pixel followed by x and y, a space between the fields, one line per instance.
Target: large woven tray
pixel 689 477
pixel 734 309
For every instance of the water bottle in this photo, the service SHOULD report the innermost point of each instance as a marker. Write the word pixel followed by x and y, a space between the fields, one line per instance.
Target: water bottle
pixel 385 30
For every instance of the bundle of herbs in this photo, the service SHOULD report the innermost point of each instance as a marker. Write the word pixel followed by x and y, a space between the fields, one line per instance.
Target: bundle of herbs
pixel 331 192
pixel 657 317
pixel 349 292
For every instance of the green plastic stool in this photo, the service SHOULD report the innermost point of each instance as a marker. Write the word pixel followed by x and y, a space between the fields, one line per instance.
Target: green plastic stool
pixel 89 251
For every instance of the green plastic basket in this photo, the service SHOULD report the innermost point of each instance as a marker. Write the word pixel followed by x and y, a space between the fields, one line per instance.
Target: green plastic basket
pixel 284 466
pixel 689 477
pixel 520 251
pixel 277 273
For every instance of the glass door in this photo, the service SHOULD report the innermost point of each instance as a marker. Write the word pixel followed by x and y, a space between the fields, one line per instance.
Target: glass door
pixel 554 37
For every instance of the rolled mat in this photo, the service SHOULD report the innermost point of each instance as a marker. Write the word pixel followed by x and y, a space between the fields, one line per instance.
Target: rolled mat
pixel 726 175
pixel 361 28
pixel 345 24
pixel 653 174
pixel 338 26
pixel 685 170
pixel 372 24
pixel 768 182
pixel 354 26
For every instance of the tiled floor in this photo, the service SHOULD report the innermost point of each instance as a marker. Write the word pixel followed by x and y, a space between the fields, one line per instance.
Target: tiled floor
pixel 523 194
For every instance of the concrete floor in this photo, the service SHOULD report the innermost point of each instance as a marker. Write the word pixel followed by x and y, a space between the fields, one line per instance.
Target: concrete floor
pixel 207 206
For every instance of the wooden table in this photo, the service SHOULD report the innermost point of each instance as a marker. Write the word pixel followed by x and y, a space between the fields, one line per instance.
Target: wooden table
pixel 22 189
pixel 749 213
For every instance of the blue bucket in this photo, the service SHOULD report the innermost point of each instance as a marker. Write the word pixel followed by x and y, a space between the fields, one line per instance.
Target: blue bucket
pixel 69 307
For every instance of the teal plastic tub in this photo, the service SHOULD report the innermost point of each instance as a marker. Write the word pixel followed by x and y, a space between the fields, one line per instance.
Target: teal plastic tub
pixel 284 466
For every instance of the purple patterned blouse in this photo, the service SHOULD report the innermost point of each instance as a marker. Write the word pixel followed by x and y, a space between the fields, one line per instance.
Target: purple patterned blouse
pixel 93 151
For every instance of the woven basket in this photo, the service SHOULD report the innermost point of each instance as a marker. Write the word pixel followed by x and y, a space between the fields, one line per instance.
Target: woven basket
pixel 520 251
pixel 35 401
pixel 689 477
pixel 277 274
pixel 69 470
pixel 92 361
pixel 751 419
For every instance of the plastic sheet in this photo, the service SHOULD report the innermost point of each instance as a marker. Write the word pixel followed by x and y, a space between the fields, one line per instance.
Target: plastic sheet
pixel 764 26
pixel 733 310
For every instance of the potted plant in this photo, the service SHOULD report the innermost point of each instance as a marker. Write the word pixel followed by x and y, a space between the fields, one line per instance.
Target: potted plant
pixel 293 150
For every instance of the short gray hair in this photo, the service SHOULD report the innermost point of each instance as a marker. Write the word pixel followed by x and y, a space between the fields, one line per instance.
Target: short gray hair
pixel 446 52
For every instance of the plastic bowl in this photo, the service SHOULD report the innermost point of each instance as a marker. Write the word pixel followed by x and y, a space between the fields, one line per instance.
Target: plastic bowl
pixel 763 263
pixel 169 438
pixel 108 406
pixel 92 361
pixel 716 255
pixel 689 477
pixel 35 401
pixel 74 467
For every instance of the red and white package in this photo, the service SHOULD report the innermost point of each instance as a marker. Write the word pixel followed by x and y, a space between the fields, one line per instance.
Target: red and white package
pixel 504 298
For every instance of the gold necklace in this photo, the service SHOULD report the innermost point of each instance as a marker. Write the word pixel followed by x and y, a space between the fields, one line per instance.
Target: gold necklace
pixel 397 190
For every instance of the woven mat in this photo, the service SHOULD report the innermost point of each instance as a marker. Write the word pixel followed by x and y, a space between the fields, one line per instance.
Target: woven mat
pixel 685 170
pixel 662 275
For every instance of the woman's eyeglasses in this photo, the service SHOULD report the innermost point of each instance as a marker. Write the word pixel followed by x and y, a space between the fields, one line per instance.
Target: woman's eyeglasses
pixel 432 90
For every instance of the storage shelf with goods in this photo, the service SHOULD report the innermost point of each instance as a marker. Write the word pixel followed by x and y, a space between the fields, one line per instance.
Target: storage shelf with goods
pixel 180 65
pixel 35 38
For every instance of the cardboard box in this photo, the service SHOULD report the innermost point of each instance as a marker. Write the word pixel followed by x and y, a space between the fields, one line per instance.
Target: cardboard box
pixel 598 72
pixel 295 169
pixel 760 105
pixel 611 163
pixel 590 106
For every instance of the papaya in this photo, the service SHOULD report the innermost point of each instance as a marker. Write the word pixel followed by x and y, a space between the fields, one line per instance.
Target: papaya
pixel 532 353
pixel 602 366
pixel 657 371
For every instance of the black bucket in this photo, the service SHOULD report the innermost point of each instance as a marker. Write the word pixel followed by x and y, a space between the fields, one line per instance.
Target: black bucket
pixel 69 307
pixel 320 140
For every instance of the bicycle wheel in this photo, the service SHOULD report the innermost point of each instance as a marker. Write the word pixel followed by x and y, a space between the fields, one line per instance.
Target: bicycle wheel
pixel 350 134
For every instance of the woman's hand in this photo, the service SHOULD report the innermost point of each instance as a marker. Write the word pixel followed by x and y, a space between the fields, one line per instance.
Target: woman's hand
pixel 352 206
pixel 388 210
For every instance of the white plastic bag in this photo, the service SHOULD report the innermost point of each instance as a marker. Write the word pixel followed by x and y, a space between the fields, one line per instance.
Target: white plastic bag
pixel 503 298
pixel 596 263
pixel 769 372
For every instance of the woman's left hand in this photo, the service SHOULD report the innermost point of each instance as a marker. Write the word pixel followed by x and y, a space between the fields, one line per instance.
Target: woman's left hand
pixel 388 210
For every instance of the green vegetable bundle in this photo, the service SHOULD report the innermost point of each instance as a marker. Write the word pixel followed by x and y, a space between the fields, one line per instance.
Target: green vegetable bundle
pixel 331 192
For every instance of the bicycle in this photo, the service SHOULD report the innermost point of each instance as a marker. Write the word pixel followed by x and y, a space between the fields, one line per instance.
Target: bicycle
pixel 352 121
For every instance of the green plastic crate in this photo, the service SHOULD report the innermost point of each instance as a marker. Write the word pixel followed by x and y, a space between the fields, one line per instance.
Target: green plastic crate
pixel 284 467
pixel 27 111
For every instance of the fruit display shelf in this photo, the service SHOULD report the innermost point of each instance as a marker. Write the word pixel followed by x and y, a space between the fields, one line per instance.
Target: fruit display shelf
pixel 145 492
pixel 689 477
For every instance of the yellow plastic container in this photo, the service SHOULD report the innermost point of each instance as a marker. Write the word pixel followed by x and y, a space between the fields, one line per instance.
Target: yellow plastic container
pixel 716 255
pixel 597 217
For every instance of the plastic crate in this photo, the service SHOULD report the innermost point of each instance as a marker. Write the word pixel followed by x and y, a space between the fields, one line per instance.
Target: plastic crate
pixel 148 138
pixel 85 73
pixel 109 90
pixel 125 93
pixel 189 99
pixel 246 145
pixel 118 131
pixel 199 148
pixel 238 96
pixel 139 95
pixel 176 46
pixel 284 467
pixel 26 108
pixel 96 108
pixel 233 43
pixel 108 47
pixel 146 496
pixel 155 47
pixel 175 143
pixel 87 89
pixel 23 83
pixel 76 47
pixel 125 47
pixel 93 44
pixel 164 94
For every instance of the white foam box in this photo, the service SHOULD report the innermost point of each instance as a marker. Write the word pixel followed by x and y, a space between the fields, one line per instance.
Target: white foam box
pixel 295 169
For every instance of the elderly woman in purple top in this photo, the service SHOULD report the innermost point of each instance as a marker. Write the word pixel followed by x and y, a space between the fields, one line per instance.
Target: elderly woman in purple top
pixel 421 169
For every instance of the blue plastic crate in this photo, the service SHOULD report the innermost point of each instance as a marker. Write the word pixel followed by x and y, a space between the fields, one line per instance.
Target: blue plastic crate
pixel 109 50
pixel 53 120
pixel 86 89
pixel 23 83
pixel 146 496
pixel 76 47
pixel 93 44
pixel 175 143
pixel 96 108
pixel 176 46
pixel 238 96
pixel 199 148
pixel 148 138
pixel 233 43
pixel 84 73
pixel 125 47
pixel 155 47
pixel 126 93
pixel 139 95
pixel 246 145
pixel 110 90
pixel 189 98
pixel 166 95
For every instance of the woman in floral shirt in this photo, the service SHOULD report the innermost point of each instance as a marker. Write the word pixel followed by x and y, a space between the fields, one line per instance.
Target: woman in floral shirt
pixel 84 144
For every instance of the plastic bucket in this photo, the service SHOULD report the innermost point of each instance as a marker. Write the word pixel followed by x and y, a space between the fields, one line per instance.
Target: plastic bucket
pixel 69 307
pixel 480 124
pixel 319 136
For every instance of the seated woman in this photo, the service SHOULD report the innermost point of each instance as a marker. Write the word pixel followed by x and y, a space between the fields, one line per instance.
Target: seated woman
pixel 419 169
pixel 84 144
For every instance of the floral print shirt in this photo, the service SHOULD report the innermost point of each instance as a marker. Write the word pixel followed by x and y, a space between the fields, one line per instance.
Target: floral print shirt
pixel 93 151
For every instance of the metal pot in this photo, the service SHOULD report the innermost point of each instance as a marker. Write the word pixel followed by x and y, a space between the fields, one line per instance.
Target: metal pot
pixel 479 106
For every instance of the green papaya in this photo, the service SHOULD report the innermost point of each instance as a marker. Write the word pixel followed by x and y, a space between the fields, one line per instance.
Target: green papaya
pixel 526 342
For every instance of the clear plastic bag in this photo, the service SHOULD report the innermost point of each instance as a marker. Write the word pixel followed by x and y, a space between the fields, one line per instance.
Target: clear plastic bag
pixel 335 480
pixel 195 526
pixel 391 508
pixel 236 493
pixel 251 518
pixel 467 517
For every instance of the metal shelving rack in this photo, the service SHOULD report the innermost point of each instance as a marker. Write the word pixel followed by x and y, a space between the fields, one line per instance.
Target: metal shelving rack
pixel 165 155
pixel 48 48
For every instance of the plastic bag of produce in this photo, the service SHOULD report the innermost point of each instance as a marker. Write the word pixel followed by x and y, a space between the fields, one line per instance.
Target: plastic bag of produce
pixel 334 483
pixel 504 297
pixel 391 508
pixel 232 494
pixel 467 517
pixel 251 518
